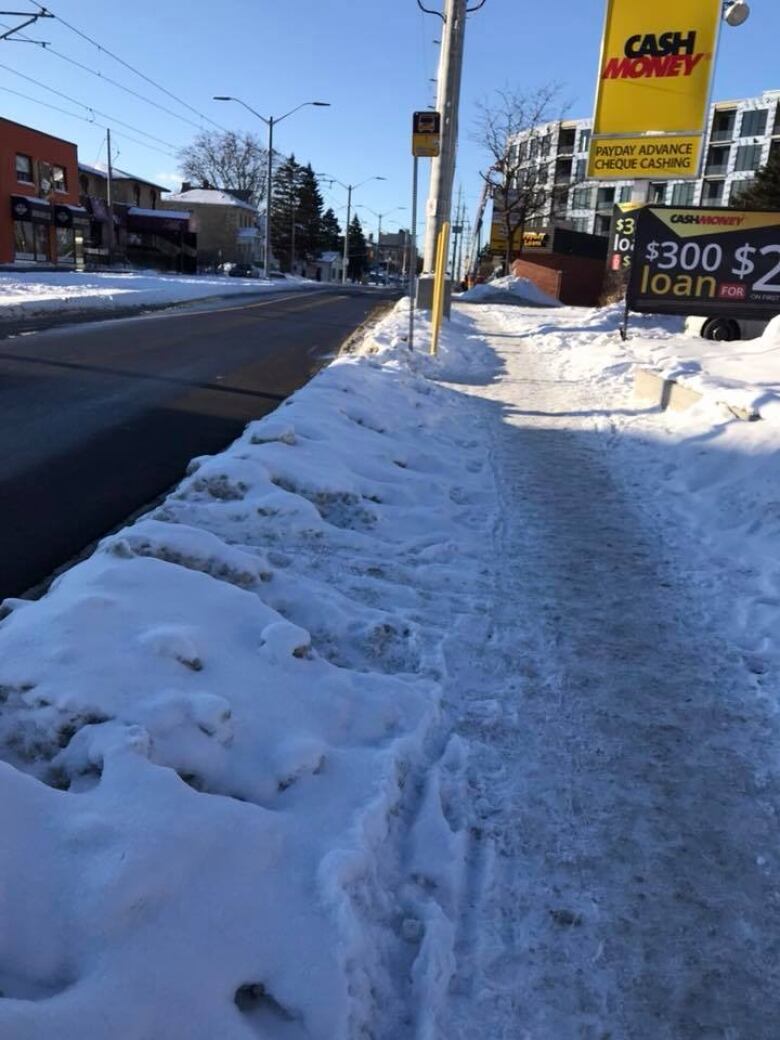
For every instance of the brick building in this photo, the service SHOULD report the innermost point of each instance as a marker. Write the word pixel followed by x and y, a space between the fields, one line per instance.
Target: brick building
pixel 41 219
pixel 145 233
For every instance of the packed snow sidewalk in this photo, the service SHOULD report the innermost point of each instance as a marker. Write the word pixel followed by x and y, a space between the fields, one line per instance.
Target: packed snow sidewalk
pixel 35 294
pixel 441 705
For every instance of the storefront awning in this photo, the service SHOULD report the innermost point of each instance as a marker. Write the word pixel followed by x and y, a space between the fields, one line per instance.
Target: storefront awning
pixel 66 216
pixel 25 207
pixel 157 220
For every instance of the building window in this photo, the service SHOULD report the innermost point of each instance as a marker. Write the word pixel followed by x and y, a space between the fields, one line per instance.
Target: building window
pixel 625 193
pixel 658 194
pixel 605 198
pixel 717 161
pixel 31 240
pixel 580 169
pixel 582 198
pixel 545 146
pixel 84 184
pixel 24 240
pixel 754 123
pixel 602 224
pixel 58 179
pixel 738 188
pixel 683 194
pixel 137 194
pixel 580 224
pixel 66 246
pixel 584 140
pixel 153 194
pixel 723 123
pixel 748 157
pixel 24 170
pixel 712 193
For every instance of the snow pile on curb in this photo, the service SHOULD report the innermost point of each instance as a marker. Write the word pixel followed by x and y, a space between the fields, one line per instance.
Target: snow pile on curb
pixel 36 293
pixel 518 290
pixel 745 373
pixel 214 731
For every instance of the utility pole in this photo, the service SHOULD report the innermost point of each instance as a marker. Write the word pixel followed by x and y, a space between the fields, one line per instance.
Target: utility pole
pixel 457 231
pixel 292 239
pixel 447 103
pixel 110 200
pixel 269 191
pixel 345 258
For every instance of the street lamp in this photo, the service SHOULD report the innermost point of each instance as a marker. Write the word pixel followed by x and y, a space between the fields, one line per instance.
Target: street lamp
pixel 381 217
pixel 349 188
pixel 736 12
pixel 270 122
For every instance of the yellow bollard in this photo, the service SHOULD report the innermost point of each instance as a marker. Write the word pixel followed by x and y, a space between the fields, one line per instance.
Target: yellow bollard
pixel 438 285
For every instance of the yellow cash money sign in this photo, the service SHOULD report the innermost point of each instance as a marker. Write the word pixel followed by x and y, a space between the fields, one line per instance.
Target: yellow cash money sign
pixel 654 85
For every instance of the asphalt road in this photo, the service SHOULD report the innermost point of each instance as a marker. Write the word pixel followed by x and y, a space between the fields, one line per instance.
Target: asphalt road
pixel 98 420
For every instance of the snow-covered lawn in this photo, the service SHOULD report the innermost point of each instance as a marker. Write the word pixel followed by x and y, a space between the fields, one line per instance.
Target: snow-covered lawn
pixel 442 704
pixel 32 294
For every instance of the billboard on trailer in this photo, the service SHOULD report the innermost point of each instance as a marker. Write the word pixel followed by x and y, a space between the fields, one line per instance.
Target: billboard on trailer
pixel 706 261
pixel 655 77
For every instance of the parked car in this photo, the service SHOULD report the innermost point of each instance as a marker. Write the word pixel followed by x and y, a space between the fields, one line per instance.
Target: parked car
pixel 244 271
pixel 725 329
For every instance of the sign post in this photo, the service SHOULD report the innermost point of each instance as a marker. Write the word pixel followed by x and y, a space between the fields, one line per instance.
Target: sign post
pixel 655 78
pixel 706 261
pixel 426 144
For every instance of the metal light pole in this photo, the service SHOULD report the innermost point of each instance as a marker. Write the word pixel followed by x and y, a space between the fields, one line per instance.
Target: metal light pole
pixel 349 188
pixel 270 122
pixel 381 217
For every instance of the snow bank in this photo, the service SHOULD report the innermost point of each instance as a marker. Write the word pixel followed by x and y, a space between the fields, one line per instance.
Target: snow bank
pixel 215 728
pixel 36 293
pixel 517 289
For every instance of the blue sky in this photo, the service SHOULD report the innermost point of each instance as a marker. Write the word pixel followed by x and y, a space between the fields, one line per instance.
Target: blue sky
pixel 372 59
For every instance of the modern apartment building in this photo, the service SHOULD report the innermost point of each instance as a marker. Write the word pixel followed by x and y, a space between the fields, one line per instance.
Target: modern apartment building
pixel 741 136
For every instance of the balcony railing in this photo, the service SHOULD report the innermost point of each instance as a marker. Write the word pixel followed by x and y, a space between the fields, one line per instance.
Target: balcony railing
pixel 723 133
pixel 716 169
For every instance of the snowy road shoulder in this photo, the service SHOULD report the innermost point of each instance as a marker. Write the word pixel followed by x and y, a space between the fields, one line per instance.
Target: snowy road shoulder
pixel 214 726
pixel 31 294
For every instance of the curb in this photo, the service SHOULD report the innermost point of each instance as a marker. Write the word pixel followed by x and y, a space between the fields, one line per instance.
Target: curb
pixel 669 395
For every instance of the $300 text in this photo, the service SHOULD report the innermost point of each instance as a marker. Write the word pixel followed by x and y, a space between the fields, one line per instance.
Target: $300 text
pixel 691 256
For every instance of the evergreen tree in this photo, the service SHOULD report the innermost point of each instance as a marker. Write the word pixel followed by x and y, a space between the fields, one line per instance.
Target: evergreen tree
pixel 284 210
pixel 331 235
pixel 764 191
pixel 309 216
pixel 358 251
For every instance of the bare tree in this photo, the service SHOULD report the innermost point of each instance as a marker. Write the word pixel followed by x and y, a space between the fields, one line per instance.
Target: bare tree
pixel 510 126
pixel 227 160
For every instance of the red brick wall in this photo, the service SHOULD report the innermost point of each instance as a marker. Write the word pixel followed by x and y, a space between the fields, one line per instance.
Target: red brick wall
pixel 40 147
pixel 575 280
pixel 545 278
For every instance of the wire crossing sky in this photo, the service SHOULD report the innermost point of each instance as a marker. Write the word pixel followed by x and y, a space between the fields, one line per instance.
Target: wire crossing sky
pixel 375 62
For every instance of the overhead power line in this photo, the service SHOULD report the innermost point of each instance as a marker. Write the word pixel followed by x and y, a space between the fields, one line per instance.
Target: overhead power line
pixel 121 86
pixel 83 104
pixel 85 119
pixel 127 65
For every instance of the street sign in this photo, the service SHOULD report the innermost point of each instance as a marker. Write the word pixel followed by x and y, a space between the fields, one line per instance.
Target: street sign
pixel 621 235
pixel 706 261
pixel 655 74
pixel 426 135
